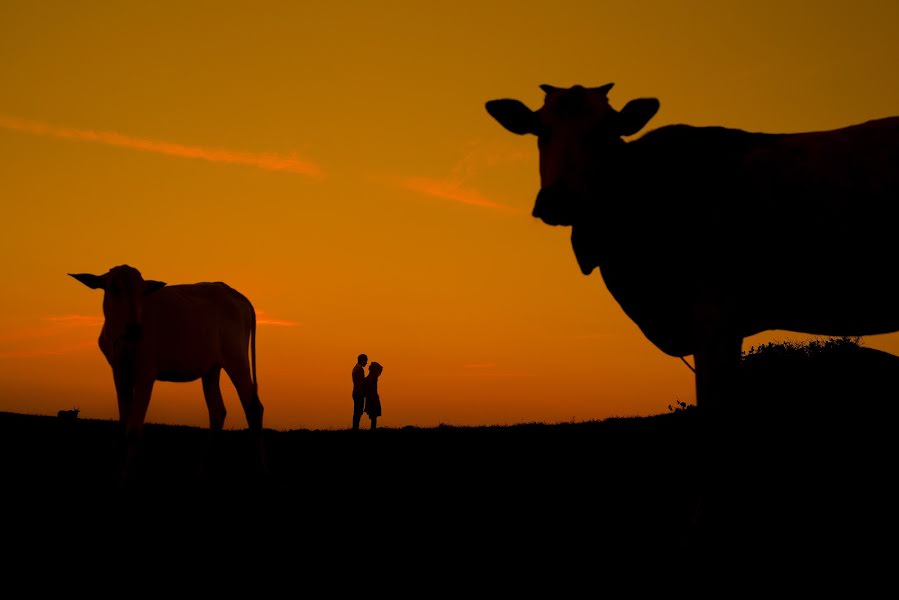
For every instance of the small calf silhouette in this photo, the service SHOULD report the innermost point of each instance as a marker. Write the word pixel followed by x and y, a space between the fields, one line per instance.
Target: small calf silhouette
pixel 68 415
pixel 179 333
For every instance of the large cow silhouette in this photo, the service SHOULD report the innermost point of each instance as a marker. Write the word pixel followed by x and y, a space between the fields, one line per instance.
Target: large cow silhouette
pixel 153 332
pixel 705 235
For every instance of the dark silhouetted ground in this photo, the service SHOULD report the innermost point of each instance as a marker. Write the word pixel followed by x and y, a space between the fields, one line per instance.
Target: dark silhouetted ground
pixel 803 466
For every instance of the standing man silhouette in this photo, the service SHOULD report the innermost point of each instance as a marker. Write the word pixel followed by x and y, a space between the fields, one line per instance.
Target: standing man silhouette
pixel 359 389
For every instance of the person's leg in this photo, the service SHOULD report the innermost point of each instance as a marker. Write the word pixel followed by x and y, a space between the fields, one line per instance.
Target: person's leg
pixel 357 412
pixel 374 422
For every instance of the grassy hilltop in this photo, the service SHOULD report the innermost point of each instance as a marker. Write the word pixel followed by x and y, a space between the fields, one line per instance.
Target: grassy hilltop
pixel 804 461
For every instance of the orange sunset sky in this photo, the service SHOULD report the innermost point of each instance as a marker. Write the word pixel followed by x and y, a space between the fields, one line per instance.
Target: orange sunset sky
pixel 334 162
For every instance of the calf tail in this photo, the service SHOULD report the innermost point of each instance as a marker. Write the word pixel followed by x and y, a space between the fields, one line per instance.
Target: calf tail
pixel 253 352
pixel 256 422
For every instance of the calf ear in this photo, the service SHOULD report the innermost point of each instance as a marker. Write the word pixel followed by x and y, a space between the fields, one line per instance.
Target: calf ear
pixel 636 114
pixel 95 282
pixel 151 286
pixel 513 115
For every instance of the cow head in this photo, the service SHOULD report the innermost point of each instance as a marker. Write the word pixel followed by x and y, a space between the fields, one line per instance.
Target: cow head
pixel 124 290
pixel 579 136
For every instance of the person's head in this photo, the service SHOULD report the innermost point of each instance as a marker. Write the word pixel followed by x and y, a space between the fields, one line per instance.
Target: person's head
pixel 375 368
pixel 363 359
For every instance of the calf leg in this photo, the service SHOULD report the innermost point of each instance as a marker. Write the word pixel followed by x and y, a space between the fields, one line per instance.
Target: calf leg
pixel 239 372
pixel 249 399
pixel 142 393
pixel 212 391
pixel 134 427
pixel 124 389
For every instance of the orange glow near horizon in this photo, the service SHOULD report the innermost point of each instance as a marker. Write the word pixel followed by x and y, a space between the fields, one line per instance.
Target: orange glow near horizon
pixel 336 165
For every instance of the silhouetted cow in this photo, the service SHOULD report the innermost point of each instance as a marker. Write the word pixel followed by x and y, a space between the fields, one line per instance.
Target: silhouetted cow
pixel 176 333
pixel 68 415
pixel 705 235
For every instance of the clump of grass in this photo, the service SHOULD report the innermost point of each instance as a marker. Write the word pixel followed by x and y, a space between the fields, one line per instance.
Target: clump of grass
pixel 680 406
pixel 800 350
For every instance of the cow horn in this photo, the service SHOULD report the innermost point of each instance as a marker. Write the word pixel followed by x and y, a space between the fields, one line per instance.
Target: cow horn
pixel 548 88
pixel 604 89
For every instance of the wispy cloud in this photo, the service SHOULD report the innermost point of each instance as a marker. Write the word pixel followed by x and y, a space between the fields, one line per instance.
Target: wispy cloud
pixel 62 334
pixel 455 186
pixel 51 336
pixel 264 320
pixel 40 352
pixel 50 327
pixel 76 320
pixel 266 161
pixel 449 190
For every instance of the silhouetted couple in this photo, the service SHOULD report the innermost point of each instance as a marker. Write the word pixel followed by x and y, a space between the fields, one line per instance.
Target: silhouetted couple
pixel 365 391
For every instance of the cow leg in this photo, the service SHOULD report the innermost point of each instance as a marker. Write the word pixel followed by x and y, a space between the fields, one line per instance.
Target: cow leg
pixel 214 402
pixel 717 353
pixel 717 360
pixel 717 371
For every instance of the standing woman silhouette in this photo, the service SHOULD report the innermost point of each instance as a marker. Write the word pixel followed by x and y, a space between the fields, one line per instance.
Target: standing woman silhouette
pixel 372 399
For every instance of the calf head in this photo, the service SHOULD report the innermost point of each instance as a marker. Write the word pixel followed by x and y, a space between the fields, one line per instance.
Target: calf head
pixel 579 139
pixel 123 297
pixel 124 290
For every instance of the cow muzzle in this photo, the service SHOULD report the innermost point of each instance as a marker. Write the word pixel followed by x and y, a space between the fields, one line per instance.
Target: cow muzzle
pixel 554 206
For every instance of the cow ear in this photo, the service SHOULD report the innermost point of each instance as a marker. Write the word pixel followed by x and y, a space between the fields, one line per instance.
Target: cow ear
pixel 636 114
pixel 95 282
pixel 151 286
pixel 604 89
pixel 513 115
